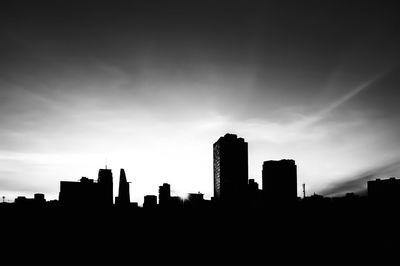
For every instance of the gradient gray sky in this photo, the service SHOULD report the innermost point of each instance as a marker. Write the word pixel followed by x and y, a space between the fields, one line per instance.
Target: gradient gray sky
pixel 149 87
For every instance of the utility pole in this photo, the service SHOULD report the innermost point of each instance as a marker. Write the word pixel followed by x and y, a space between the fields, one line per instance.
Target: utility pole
pixel 304 191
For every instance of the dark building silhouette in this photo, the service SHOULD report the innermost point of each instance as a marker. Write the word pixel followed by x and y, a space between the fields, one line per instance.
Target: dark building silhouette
pixel 164 194
pixel 230 168
pixel 21 200
pixel 150 201
pixel 253 194
pixel 194 200
pixel 105 182
pixel 316 202
pixel 175 202
pixel 87 191
pixel 123 192
pixel 253 186
pixel 279 181
pixel 384 190
pixel 84 192
pixel 195 197
pixel 37 200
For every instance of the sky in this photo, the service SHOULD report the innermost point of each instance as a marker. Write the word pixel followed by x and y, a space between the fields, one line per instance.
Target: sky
pixel 149 87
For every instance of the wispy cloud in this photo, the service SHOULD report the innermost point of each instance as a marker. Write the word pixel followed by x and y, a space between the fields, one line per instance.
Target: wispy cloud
pixel 322 114
pixel 358 183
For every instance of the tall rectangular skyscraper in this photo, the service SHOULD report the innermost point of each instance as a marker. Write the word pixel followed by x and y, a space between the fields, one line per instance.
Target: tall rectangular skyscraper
pixel 230 168
pixel 164 193
pixel 279 181
pixel 105 183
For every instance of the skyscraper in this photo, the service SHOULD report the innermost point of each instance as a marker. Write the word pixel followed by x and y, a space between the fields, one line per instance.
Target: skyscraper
pixel 230 168
pixel 164 194
pixel 123 191
pixel 105 183
pixel 279 181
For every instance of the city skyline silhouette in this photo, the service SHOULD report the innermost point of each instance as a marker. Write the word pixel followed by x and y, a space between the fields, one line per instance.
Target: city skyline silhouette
pixel 213 130
pixel 241 132
pixel 232 187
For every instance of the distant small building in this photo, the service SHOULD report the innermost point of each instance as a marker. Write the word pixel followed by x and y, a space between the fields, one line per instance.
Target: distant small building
pixel 384 190
pixel 316 202
pixel 21 200
pixel 37 200
pixel 254 195
pixel 175 202
pixel 194 200
pixel 150 202
pixel 253 185
pixel 195 197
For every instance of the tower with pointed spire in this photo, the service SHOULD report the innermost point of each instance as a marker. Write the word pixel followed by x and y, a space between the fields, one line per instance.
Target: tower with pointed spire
pixel 123 192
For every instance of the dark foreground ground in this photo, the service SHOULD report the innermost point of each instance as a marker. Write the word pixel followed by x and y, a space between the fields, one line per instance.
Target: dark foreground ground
pixel 197 236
